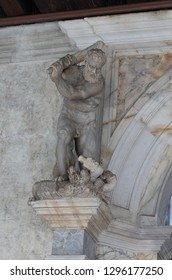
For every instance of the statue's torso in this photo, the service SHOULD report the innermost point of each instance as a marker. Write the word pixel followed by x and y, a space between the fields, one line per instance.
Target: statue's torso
pixel 74 76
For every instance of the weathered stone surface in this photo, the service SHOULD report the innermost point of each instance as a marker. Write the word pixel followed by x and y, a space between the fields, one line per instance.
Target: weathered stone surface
pixel 36 42
pixel 91 182
pixel 28 114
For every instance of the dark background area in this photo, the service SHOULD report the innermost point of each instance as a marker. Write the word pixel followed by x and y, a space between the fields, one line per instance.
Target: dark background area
pixel 14 12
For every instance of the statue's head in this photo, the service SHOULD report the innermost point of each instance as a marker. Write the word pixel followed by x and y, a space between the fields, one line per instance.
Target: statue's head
pixel 95 58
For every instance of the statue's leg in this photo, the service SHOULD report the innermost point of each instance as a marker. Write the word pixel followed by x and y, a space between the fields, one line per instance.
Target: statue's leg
pixel 64 151
pixel 86 143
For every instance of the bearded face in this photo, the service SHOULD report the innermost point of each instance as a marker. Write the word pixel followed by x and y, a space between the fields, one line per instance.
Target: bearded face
pixel 95 59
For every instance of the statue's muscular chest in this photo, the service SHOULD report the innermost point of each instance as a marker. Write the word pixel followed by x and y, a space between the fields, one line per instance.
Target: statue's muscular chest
pixel 74 75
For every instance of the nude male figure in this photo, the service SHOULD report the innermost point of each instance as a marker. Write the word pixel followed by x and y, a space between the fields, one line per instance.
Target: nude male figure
pixel 81 87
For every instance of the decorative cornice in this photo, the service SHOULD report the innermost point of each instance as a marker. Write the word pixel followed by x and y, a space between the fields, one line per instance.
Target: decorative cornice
pixel 144 33
pixel 122 32
pixel 126 236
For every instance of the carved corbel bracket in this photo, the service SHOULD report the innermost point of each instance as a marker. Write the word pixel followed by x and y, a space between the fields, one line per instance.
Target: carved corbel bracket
pixel 90 214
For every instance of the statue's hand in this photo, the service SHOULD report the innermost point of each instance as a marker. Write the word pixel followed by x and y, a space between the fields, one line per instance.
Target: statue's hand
pixel 55 70
pixel 68 60
pixel 100 44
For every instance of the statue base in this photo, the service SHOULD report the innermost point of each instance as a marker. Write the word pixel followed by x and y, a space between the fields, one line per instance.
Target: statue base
pixel 90 214
pixel 76 224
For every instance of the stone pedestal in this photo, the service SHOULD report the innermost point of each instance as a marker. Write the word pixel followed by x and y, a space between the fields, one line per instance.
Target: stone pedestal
pixel 73 243
pixel 76 224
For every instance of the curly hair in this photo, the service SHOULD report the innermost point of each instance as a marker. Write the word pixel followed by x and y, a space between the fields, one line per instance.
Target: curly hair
pixel 96 56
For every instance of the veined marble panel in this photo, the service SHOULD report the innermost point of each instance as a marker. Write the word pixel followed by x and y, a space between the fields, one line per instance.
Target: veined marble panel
pixel 72 243
pixel 135 74
pixel 109 253
pixel 68 242
pixel 142 155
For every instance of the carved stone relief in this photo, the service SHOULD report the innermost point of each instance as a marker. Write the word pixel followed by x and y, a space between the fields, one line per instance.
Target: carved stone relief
pixel 91 181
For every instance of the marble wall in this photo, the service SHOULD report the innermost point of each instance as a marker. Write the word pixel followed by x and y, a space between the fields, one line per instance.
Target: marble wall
pixel 29 110
pixel 28 120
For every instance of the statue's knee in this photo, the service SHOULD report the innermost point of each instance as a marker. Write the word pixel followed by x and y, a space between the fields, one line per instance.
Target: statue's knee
pixel 64 136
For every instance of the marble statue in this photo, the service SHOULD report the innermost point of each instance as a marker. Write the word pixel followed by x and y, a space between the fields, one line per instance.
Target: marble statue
pixel 79 80
pixel 91 181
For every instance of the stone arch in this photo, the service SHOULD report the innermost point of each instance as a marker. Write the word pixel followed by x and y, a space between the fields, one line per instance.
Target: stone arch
pixel 164 197
pixel 142 155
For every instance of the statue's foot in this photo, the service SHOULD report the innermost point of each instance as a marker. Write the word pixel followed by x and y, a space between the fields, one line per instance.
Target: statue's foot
pixel 61 181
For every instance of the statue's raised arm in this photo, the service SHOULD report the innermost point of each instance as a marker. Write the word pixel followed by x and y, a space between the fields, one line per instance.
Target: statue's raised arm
pixel 60 65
